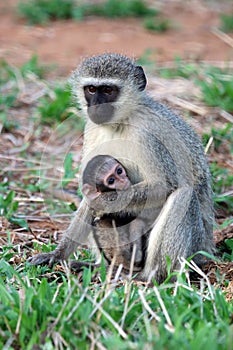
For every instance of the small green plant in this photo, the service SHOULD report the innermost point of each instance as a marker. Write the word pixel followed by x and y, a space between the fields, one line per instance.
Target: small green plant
pixel 43 11
pixel 33 66
pixel 7 100
pixel 8 207
pixel 44 248
pixel 221 137
pixel 7 72
pixel 226 223
pixel 229 247
pixel 180 69
pixel 114 9
pixel 224 135
pixel 226 23
pixel 8 89
pixel 217 88
pixel 157 24
pixel 225 202
pixel 222 178
pixel 4 185
pixel 69 171
pixel 57 108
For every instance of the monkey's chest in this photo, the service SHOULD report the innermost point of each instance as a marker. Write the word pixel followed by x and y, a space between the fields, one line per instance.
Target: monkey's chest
pixel 127 150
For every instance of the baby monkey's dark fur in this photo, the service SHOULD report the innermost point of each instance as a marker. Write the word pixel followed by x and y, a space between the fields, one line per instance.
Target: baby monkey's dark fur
pixel 116 233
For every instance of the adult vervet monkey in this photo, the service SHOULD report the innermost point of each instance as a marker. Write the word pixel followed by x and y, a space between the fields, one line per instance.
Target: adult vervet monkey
pixel 163 157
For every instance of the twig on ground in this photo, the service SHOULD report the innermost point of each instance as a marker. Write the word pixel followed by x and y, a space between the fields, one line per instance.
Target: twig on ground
pixel 223 36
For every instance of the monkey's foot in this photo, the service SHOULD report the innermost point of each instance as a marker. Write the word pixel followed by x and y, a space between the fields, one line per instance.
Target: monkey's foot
pixel 43 259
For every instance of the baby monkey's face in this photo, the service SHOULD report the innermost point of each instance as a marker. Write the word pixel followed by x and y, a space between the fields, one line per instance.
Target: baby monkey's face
pixel 116 178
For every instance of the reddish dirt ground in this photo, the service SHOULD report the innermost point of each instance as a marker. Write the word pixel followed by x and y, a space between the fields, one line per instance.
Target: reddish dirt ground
pixel 64 42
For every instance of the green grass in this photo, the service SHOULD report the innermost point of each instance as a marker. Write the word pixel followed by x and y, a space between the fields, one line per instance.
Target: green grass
pixel 69 172
pixel 222 137
pixel 226 23
pixel 8 208
pixel 155 24
pixel 228 253
pixel 217 88
pixel 180 69
pixel 222 178
pixel 9 86
pixel 61 311
pixel 44 11
pixel 118 8
pixel 216 84
pixel 8 93
pixel 8 72
pixel 56 105
pixel 53 107
pixel 35 67
pixel 10 78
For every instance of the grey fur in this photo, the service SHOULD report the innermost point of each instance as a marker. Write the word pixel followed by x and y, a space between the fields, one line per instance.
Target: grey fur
pixel 164 160
pixel 108 66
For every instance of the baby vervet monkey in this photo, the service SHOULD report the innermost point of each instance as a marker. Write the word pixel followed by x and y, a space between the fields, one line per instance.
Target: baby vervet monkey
pixel 104 173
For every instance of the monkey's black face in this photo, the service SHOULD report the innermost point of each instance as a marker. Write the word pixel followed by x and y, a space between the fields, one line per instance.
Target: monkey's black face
pixel 100 102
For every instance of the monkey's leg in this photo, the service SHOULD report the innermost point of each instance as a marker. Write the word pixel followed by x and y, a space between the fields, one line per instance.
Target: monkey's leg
pixel 77 233
pixel 206 204
pixel 136 229
pixel 177 232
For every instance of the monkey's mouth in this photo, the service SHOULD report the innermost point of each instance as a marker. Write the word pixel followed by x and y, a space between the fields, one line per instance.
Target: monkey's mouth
pixel 101 113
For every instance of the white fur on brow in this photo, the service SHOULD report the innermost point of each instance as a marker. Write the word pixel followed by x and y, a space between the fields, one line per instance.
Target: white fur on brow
pixel 99 81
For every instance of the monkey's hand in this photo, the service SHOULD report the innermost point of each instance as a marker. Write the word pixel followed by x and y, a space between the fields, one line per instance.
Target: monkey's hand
pixel 44 259
pixel 75 235
pixel 98 205
pixel 62 252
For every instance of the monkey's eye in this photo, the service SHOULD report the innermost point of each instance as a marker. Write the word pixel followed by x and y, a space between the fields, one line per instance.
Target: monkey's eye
pixel 111 181
pixel 108 90
pixel 92 89
pixel 119 171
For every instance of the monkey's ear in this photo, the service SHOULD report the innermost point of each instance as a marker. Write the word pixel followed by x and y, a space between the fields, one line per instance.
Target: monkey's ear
pixel 141 78
pixel 90 192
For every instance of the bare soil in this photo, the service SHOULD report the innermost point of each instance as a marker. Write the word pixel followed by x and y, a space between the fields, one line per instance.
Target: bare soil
pixel 65 42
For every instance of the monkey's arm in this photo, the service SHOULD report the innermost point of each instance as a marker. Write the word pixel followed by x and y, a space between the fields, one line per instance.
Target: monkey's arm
pixel 76 234
pixel 136 197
